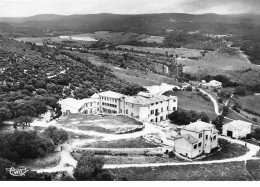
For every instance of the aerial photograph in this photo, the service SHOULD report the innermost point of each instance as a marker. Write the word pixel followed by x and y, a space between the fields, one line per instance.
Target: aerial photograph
pixel 129 90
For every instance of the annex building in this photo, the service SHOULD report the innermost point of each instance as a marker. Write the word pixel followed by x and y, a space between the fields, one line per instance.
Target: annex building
pixel 237 129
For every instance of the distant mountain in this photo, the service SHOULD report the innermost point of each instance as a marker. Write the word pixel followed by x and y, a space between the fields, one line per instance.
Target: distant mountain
pixel 142 23
pixel 40 17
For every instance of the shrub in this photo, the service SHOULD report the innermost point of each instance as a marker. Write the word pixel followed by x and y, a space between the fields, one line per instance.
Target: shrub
pixel 240 90
pixel 189 88
pixel 254 119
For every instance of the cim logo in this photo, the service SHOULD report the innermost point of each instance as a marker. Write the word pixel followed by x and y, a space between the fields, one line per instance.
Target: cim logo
pixel 17 172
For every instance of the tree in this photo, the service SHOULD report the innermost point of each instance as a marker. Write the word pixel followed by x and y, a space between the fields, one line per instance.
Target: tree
pixel 4 163
pixel 185 117
pixel 58 136
pixel 257 134
pixel 89 167
pixel 22 121
pixel 189 88
pixel 225 111
pixel 218 122
pixel 24 144
pixel 240 90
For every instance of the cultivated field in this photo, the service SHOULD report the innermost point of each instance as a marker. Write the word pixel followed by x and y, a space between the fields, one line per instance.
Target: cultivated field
pixel 214 63
pixel 153 39
pixel 181 52
pixel 114 38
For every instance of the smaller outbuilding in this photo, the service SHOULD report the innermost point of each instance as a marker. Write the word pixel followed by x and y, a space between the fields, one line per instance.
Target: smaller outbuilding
pixel 237 129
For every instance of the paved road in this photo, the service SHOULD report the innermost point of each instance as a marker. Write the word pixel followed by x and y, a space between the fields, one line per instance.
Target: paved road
pixel 249 155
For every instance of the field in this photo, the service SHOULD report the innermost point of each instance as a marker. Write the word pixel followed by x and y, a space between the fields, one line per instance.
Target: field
pixel 153 39
pixel 192 101
pixel 205 172
pixel 253 167
pixel 182 52
pixel 214 63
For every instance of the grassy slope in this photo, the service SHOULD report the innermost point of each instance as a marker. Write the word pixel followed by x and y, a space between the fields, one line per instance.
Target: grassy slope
pixel 251 102
pixel 132 76
pixel 205 172
pixel 191 101
pixel 123 143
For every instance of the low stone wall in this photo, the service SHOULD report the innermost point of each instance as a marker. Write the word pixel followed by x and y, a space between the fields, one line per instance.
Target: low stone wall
pixel 124 151
pixel 139 128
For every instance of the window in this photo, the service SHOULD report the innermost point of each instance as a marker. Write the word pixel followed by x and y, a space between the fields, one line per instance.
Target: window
pixel 174 108
pixel 97 109
pixel 166 116
pixel 200 135
pixel 121 110
pixel 162 109
pixel 174 100
pixel 132 114
pixel 206 137
pixel 90 111
pixel 152 111
pixel 161 101
pixel 157 103
pixel 195 146
pixel 161 118
pixel 151 120
pixel 90 104
pixel 200 144
pixel 126 111
pixel 97 103
pixel 132 105
pixel 87 105
pixel 214 138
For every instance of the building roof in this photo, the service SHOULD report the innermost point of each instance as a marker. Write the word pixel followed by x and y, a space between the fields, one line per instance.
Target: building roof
pixel 199 126
pixel 239 124
pixel 144 100
pixel 74 103
pixel 190 138
pixel 95 96
pixel 111 94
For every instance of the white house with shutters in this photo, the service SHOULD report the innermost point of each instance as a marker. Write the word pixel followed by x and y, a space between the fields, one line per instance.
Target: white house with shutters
pixel 196 138
pixel 237 129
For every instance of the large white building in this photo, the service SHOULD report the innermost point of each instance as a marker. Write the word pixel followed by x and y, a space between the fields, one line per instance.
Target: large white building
pixel 196 138
pixel 237 129
pixel 83 106
pixel 146 107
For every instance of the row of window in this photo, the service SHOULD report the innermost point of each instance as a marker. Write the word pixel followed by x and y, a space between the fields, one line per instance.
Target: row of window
pixel 108 104
pixel 90 104
pixel 156 119
pixel 156 111
pixel 109 99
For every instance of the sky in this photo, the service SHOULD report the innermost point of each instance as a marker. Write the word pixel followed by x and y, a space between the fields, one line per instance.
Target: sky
pixel 24 8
